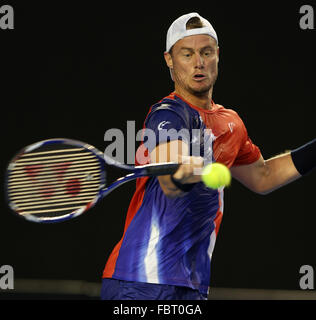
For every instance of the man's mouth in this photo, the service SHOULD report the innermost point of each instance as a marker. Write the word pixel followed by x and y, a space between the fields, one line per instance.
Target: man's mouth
pixel 199 77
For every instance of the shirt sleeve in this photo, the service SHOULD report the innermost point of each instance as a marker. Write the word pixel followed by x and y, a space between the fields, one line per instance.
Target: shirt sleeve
pixel 248 151
pixel 164 126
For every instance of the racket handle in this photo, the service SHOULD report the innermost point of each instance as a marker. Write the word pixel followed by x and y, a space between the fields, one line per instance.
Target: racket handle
pixel 161 169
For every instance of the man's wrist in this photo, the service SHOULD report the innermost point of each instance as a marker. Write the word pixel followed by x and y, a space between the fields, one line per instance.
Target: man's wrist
pixel 185 187
pixel 304 157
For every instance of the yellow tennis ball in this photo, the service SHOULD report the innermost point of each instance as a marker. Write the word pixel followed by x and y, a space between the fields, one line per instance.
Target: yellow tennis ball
pixel 216 175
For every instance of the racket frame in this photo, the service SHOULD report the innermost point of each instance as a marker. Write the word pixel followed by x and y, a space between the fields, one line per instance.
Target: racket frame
pixel 33 218
pixel 135 172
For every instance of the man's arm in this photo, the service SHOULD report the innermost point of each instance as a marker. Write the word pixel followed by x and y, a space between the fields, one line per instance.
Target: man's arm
pixel 188 172
pixel 264 176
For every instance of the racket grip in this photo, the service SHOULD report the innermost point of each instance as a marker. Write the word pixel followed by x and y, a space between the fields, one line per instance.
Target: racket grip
pixel 162 169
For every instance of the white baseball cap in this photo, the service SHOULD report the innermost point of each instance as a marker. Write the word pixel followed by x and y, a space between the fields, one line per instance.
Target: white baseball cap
pixel 178 31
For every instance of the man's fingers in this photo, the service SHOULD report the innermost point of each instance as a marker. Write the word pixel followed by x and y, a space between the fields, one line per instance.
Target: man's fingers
pixel 191 160
pixel 190 169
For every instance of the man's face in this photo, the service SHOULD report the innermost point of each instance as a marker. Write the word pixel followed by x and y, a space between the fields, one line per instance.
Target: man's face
pixel 194 62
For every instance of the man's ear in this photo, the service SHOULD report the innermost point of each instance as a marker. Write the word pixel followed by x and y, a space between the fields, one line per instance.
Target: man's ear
pixel 168 60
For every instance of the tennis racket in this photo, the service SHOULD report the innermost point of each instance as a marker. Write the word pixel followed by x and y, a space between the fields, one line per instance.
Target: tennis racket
pixel 59 179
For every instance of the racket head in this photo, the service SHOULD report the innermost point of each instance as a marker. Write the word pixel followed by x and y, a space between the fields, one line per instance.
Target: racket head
pixel 55 180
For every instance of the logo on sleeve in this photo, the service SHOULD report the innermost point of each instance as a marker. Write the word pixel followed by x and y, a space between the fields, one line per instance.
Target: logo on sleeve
pixel 231 126
pixel 162 124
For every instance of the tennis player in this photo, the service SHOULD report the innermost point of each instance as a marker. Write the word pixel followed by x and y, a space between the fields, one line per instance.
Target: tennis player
pixel 173 221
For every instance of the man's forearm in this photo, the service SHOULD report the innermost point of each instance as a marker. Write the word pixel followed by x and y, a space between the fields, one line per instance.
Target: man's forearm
pixel 289 166
pixel 279 171
pixel 264 176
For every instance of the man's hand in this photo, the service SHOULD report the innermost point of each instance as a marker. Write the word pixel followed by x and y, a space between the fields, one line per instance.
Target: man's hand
pixel 189 171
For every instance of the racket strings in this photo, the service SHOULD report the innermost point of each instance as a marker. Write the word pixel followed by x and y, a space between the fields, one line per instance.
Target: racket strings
pixel 58 198
pixel 29 162
pixel 52 177
pixel 47 189
pixel 54 182
pixel 74 167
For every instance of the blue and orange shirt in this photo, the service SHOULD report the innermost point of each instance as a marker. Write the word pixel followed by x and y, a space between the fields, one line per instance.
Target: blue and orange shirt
pixel 171 240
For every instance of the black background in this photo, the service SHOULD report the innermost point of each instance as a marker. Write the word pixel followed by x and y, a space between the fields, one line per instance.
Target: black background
pixel 78 70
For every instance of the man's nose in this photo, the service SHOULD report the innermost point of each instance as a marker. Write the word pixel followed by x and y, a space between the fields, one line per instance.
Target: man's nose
pixel 199 61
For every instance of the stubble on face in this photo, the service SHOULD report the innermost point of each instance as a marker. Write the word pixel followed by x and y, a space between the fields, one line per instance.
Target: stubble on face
pixel 195 55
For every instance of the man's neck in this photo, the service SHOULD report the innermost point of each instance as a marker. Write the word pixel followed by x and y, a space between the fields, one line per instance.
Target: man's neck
pixel 201 101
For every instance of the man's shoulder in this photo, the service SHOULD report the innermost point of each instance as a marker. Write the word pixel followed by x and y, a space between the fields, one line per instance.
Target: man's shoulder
pixel 227 110
pixel 175 106
pixel 169 103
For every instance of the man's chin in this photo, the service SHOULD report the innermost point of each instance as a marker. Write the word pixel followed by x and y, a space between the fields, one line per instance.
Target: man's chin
pixel 201 91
